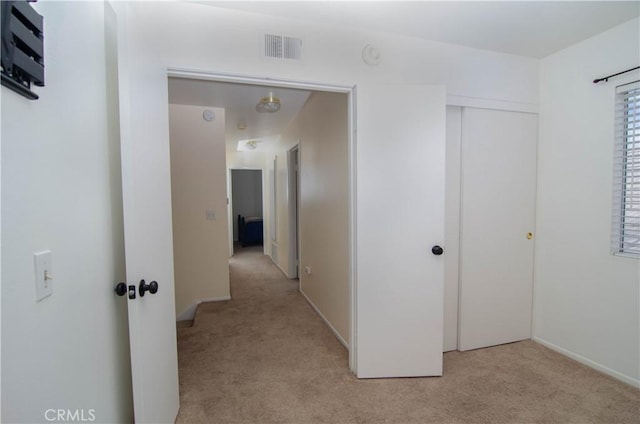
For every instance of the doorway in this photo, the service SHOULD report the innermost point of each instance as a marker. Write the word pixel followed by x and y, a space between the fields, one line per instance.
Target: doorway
pixel 278 160
pixel 246 207
pixel 417 124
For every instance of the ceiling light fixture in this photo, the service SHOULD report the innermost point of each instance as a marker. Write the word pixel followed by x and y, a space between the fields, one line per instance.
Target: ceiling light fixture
pixel 248 145
pixel 269 104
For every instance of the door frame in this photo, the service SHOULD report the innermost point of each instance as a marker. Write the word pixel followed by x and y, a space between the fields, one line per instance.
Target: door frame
pixel 351 119
pixel 230 202
pixel 293 183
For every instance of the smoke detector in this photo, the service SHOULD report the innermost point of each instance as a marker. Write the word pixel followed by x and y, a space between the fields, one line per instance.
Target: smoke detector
pixel 371 55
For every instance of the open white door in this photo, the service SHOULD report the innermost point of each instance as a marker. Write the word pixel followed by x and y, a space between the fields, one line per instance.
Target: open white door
pixel 400 218
pixel 149 257
pixel 146 195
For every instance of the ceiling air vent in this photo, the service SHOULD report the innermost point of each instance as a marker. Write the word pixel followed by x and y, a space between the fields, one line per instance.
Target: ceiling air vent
pixel 282 47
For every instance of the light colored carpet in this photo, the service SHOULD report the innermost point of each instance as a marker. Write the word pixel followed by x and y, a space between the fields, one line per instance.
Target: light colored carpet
pixel 266 357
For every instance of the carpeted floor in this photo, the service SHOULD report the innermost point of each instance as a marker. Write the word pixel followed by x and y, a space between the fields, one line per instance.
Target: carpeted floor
pixel 266 357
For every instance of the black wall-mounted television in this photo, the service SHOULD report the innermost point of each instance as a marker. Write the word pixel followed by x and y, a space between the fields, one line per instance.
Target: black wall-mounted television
pixel 22 47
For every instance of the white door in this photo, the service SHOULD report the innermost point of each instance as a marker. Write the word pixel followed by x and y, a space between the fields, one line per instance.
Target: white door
pixel 400 217
pixel 146 193
pixel 146 197
pixel 149 257
pixel 498 213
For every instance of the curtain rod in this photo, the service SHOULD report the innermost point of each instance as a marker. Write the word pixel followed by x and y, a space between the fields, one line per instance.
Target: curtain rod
pixel 605 79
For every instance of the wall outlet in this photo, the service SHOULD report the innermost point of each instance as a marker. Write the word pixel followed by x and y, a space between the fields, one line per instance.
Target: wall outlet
pixel 44 274
pixel 210 214
pixel 307 269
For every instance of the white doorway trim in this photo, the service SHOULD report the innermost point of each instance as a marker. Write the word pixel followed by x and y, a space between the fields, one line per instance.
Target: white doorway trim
pixel 310 86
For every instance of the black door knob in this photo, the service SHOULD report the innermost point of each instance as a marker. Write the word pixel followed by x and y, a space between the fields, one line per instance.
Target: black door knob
pixel 152 287
pixel 121 289
pixel 437 250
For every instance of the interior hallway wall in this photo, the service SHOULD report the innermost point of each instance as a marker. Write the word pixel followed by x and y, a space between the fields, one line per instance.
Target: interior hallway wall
pixel 199 207
pixel 587 301
pixel 321 129
pixel 62 191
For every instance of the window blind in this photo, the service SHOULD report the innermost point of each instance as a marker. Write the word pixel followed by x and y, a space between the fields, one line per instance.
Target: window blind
pixel 626 191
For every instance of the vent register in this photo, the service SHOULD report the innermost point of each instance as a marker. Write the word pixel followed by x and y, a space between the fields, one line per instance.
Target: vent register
pixel 21 29
pixel 282 47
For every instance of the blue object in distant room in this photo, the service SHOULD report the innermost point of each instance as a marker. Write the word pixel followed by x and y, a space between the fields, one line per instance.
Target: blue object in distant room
pixel 249 230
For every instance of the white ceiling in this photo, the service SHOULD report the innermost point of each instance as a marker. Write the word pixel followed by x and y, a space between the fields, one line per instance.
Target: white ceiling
pixel 240 101
pixel 526 28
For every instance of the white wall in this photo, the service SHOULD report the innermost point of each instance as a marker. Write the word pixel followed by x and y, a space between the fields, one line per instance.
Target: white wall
pixel 321 129
pixel 254 159
pixel 61 191
pixel 331 54
pixel 586 300
pixel 198 185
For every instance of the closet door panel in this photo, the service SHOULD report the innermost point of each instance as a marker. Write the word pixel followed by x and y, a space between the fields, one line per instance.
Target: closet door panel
pixel 497 227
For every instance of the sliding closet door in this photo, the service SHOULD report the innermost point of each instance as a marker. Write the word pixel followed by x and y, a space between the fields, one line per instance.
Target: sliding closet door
pixel 497 227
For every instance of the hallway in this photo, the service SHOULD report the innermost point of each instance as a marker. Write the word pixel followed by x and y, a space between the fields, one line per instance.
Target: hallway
pixel 266 357
pixel 253 358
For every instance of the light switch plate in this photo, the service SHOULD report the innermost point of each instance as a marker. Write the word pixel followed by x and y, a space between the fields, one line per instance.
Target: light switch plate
pixel 210 214
pixel 44 274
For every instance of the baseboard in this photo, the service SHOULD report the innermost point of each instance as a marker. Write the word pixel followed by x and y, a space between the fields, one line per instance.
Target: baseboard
pixel 189 313
pixel 326 321
pixel 588 362
pixel 280 268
